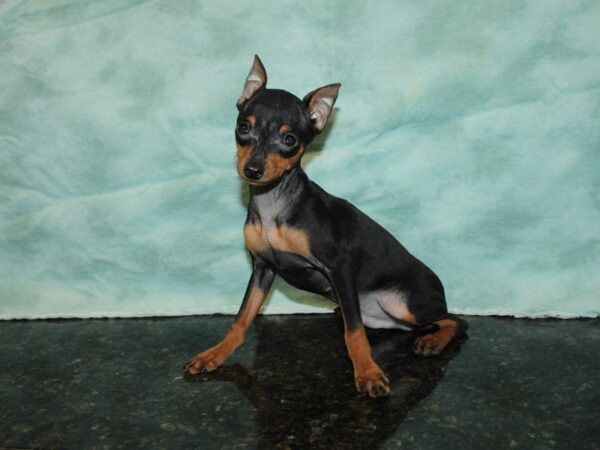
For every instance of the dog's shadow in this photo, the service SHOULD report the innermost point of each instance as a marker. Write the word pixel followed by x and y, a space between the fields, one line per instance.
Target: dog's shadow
pixel 301 384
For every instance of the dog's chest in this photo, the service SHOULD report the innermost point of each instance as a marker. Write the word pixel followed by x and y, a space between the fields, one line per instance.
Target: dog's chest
pixel 286 248
pixel 266 233
pixel 268 239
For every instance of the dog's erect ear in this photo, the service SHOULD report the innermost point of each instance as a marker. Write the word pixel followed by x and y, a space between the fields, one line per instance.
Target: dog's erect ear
pixel 320 103
pixel 255 81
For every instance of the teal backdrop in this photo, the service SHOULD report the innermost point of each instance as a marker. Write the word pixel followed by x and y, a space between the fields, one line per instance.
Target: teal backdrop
pixel 469 129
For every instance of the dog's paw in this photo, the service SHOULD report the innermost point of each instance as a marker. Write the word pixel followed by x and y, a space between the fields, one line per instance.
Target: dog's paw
pixel 428 345
pixel 373 382
pixel 206 361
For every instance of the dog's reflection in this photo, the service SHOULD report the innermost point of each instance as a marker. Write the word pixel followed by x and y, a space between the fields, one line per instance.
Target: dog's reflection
pixel 302 387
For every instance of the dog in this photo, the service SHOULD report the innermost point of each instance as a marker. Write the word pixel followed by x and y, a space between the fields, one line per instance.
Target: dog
pixel 321 243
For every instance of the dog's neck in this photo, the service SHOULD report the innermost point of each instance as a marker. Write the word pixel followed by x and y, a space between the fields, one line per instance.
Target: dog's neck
pixel 272 204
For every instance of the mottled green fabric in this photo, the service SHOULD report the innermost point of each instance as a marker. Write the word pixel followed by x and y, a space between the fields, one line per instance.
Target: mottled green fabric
pixel 469 129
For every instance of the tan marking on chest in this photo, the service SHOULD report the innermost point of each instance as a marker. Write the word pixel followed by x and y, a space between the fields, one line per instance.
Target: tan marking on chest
pixel 291 240
pixel 281 238
pixel 253 235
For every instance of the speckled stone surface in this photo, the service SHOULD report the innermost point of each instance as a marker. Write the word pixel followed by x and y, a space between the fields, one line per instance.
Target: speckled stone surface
pixel 119 384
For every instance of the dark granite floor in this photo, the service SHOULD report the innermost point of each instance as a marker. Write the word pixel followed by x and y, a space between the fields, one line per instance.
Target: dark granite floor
pixel 83 384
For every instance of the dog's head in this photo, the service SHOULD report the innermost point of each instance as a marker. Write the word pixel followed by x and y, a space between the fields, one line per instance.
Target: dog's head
pixel 274 127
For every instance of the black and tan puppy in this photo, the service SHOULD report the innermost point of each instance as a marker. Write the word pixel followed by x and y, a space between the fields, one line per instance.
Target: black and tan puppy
pixel 321 243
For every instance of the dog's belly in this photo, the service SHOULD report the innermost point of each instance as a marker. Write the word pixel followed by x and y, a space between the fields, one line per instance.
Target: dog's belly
pixel 386 309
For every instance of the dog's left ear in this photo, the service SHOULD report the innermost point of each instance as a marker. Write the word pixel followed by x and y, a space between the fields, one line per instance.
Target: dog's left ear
pixel 255 81
pixel 320 103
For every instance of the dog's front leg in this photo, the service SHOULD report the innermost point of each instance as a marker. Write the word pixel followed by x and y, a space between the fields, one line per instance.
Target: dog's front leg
pixel 368 376
pixel 256 292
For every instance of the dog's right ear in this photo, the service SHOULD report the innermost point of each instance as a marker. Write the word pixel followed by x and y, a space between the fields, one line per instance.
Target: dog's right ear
pixel 255 81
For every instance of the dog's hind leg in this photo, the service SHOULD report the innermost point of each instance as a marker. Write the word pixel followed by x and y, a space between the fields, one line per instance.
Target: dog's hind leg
pixel 449 328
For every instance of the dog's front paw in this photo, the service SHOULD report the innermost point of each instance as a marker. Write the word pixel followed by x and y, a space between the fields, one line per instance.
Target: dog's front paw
pixel 372 381
pixel 206 361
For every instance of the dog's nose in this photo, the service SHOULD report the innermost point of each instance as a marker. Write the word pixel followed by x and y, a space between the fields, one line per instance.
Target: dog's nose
pixel 253 172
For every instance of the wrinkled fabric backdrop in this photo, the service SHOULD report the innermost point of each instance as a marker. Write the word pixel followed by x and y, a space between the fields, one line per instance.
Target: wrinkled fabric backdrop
pixel 469 129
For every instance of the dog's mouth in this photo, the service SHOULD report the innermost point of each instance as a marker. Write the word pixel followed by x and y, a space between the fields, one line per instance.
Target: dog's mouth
pixel 258 183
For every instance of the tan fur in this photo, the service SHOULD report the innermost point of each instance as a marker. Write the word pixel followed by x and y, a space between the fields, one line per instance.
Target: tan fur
pixel 216 356
pixel 243 152
pixel 367 374
pixel 444 335
pixel 282 238
pixel 276 166
pixel 255 242
pixel 405 315
pixel 435 343
pixel 359 349
pixel 288 239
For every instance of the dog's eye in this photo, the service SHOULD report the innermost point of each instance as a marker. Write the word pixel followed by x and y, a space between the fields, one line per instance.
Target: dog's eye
pixel 289 140
pixel 244 128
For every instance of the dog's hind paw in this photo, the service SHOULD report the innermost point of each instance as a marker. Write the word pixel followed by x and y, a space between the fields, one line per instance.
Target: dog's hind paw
pixel 433 344
pixel 427 345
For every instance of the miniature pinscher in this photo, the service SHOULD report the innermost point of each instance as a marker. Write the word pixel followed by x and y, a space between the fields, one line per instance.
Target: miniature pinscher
pixel 321 243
